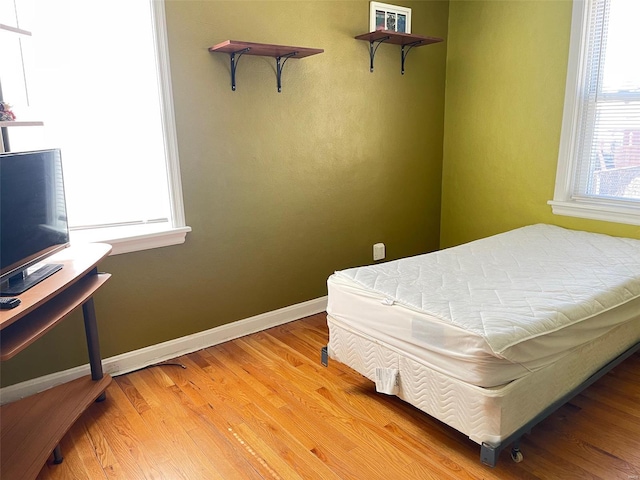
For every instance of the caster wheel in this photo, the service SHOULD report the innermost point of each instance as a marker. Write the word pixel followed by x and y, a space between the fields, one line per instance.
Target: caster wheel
pixel 516 456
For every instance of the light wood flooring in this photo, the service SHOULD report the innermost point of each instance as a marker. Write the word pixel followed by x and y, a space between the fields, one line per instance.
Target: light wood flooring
pixel 262 407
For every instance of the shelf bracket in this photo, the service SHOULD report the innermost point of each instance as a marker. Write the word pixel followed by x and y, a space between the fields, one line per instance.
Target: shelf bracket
pixel 280 66
pixel 234 65
pixel 372 50
pixel 404 53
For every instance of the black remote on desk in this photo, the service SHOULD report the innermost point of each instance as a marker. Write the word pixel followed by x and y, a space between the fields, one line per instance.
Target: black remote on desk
pixel 8 302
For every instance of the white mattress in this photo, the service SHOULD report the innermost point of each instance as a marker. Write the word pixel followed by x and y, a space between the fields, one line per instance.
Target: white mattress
pixel 491 311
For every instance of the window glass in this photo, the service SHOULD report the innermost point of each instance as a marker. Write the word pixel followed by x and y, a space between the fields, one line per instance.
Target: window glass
pixel 92 78
pixel 599 162
pixel 90 72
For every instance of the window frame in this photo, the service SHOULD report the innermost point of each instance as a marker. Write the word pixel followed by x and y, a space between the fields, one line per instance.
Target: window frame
pixel 134 237
pixel 564 201
pixel 131 238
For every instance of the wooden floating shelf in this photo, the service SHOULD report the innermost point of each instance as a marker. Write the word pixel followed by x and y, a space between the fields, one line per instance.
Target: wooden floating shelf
pixel 236 49
pixel 396 38
pixel 264 49
pixel 409 40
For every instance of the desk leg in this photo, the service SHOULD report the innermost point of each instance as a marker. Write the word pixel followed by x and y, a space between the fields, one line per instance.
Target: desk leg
pixel 57 455
pixel 93 345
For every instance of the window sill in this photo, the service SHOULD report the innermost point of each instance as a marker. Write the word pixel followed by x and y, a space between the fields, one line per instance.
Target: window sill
pixel 607 212
pixel 132 238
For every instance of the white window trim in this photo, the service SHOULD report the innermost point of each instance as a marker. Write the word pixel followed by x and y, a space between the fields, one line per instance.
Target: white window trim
pixel 132 238
pixel 563 203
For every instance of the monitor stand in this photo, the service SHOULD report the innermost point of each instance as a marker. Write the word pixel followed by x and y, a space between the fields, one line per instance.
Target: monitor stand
pixel 24 281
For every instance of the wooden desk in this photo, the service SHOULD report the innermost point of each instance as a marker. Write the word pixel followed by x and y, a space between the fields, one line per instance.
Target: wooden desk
pixel 31 428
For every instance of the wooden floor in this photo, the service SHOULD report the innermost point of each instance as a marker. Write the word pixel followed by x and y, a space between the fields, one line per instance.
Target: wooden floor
pixel 262 407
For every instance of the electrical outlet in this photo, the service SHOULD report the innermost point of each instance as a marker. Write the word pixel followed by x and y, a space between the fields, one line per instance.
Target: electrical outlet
pixel 378 251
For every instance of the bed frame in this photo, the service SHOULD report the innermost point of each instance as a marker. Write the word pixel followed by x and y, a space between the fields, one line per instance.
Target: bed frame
pixel 365 354
pixel 489 453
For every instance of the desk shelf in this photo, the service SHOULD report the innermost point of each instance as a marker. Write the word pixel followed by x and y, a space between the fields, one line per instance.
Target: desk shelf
pixel 406 40
pixel 31 327
pixel 236 49
pixel 31 428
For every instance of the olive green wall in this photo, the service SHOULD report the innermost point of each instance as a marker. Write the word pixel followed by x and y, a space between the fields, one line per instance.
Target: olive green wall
pixel 280 189
pixel 506 73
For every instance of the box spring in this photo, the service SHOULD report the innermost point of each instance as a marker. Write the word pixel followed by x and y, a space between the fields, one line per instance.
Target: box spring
pixel 485 415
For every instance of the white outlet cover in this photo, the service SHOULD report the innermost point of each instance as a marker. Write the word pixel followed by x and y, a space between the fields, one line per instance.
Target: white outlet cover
pixel 378 251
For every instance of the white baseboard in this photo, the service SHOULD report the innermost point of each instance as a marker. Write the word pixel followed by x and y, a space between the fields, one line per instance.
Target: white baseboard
pixel 130 361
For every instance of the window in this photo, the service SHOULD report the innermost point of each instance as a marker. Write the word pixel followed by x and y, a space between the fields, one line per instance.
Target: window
pixel 599 160
pixel 97 75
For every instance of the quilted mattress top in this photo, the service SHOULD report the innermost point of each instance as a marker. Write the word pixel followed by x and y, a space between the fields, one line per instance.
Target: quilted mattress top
pixel 514 286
